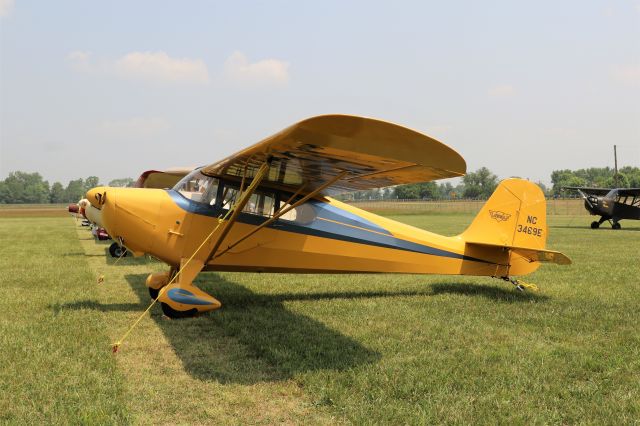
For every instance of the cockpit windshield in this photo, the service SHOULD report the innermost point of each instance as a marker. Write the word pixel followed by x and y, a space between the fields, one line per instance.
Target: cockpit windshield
pixel 198 187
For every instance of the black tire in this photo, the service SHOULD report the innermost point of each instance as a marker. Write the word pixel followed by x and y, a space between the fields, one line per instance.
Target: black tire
pixel 595 224
pixel 153 293
pixel 172 313
pixel 116 251
pixel 616 226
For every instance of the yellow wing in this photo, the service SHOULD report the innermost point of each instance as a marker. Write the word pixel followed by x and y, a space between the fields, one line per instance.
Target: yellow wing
pixel 373 153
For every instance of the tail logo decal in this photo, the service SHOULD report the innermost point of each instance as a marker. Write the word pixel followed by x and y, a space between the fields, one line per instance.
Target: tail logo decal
pixel 499 216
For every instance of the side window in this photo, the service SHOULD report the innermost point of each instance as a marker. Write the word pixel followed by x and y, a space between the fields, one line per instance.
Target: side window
pixel 259 203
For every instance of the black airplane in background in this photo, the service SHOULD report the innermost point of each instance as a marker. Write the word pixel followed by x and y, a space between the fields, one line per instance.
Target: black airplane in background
pixel 610 204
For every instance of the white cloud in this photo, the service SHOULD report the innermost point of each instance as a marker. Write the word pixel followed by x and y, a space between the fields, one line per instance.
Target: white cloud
pixel 159 67
pixel 80 61
pixel 136 127
pixel 6 6
pixel 266 72
pixel 502 91
pixel 628 74
pixel 156 67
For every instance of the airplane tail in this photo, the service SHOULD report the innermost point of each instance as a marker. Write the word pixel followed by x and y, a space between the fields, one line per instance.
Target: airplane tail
pixel 514 221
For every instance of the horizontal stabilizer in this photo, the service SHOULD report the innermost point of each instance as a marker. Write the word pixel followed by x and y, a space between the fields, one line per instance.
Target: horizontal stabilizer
pixel 531 254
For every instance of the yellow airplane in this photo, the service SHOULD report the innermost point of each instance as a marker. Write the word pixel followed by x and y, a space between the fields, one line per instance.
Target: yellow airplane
pixel 268 209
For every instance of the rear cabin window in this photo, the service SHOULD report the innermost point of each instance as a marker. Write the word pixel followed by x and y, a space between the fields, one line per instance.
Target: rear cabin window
pixel 264 203
pixel 629 200
pixel 260 203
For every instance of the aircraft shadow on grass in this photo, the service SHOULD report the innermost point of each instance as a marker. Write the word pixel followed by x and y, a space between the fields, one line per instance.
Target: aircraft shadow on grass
pixel 58 308
pixel 255 338
pixel 272 335
pixel 500 294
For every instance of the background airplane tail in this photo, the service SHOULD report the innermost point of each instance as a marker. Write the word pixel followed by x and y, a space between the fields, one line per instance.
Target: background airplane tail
pixel 514 219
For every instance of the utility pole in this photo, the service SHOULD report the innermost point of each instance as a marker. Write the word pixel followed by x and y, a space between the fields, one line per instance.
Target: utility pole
pixel 615 162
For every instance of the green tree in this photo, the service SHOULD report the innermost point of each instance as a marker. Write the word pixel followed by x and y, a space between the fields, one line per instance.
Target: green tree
pixel 91 182
pixel 445 190
pixel 622 181
pixel 633 176
pixel 479 184
pixel 408 192
pixel 75 191
pixel 3 192
pixel 562 178
pixel 122 182
pixel 57 194
pixel 21 187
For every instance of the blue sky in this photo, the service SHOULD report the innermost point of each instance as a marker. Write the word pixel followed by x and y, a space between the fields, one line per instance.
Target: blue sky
pixel 115 88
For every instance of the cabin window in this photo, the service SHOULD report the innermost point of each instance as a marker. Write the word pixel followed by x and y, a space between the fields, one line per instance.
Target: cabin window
pixel 630 200
pixel 260 203
pixel 198 187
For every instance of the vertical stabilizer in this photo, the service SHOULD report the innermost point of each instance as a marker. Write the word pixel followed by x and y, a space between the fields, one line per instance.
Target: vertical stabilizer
pixel 514 216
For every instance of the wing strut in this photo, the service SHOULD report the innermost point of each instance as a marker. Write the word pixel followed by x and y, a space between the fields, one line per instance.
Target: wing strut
pixel 262 171
pixel 281 212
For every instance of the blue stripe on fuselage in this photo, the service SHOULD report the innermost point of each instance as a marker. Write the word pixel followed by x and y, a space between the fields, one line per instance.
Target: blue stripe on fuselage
pixel 359 231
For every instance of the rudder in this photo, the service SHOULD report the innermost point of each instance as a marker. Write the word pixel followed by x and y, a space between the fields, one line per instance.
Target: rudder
pixel 514 216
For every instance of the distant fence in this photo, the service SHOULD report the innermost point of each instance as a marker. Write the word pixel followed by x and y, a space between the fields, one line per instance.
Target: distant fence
pixel 554 207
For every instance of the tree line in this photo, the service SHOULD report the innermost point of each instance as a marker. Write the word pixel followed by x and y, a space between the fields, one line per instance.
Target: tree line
pixel 595 177
pixel 481 184
pixel 31 188
pixel 474 185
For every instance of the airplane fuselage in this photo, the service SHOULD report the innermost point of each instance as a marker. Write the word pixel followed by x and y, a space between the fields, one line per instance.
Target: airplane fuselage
pixel 326 236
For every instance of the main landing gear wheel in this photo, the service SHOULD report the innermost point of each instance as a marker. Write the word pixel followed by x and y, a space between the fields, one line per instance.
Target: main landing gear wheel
pixel 616 225
pixel 115 250
pixel 595 224
pixel 173 314
pixel 153 293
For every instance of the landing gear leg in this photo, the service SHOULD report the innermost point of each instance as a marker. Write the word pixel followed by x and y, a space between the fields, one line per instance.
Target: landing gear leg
pixel 596 224
pixel 155 282
pixel 521 285
pixel 616 225
pixel 182 299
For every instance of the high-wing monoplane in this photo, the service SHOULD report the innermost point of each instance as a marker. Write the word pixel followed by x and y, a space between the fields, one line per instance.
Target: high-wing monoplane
pixel 611 205
pixel 268 208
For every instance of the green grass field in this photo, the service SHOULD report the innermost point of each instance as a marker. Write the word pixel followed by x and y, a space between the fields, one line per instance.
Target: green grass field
pixel 320 349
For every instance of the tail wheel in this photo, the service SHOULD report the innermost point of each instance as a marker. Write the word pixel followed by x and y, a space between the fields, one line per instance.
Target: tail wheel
pixel 595 224
pixel 172 313
pixel 616 225
pixel 115 250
